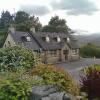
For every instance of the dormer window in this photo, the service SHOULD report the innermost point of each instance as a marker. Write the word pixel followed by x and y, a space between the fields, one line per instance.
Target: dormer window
pixel 64 39
pixel 9 44
pixel 47 39
pixel 28 38
pixel 57 39
pixel 68 39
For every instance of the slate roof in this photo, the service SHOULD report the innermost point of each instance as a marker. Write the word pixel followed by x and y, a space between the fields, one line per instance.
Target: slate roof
pixel 31 45
pixel 55 45
pixel 37 42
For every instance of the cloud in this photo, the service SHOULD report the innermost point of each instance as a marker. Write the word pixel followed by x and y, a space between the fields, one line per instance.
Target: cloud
pixel 75 7
pixel 35 9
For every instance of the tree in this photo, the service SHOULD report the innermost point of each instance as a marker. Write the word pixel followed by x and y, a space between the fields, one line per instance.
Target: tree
pixel 56 25
pixel 90 50
pixel 21 17
pixel 6 19
pixel 34 21
pixel 23 21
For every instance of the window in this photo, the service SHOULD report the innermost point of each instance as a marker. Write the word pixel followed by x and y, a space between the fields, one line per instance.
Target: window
pixel 65 39
pixel 43 38
pixel 28 38
pixel 47 39
pixel 9 44
pixel 74 51
pixel 56 39
pixel 5 45
pixel 68 39
pixel 52 52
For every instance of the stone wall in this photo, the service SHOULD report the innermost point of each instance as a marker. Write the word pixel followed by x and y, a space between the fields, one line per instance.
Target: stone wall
pixel 59 57
pixel 49 92
pixel 53 58
pixel 50 59
pixel 9 41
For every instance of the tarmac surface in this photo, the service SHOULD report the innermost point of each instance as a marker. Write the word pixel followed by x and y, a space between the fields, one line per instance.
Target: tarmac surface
pixel 75 67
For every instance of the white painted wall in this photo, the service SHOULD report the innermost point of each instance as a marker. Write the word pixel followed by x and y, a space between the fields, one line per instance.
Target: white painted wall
pixel 11 41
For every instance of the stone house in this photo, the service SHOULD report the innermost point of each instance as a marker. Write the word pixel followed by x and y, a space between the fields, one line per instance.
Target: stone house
pixel 52 47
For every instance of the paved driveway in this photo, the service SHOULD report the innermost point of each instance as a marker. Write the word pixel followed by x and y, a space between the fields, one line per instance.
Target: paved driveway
pixel 75 67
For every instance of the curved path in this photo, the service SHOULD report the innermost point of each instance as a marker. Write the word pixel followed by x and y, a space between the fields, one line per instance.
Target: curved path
pixel 75 66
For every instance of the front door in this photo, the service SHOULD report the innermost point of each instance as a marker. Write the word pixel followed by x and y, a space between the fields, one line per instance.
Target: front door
pixel 65 54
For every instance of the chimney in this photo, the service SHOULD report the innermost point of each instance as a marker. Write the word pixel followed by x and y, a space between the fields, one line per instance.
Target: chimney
pixel 32 29
pixel 11 29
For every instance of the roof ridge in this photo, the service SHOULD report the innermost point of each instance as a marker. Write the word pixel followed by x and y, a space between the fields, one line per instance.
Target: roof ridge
pixel 35 39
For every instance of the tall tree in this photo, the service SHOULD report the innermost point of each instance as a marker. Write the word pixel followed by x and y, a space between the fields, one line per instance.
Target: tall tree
pixel 56 25
pixel 6 19
pixel 23 21
pixel 21 17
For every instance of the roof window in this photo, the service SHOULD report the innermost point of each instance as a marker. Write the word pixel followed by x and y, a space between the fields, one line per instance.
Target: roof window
pixel 28 38
pixel 68 39
pixel 47 39
pixel 57 39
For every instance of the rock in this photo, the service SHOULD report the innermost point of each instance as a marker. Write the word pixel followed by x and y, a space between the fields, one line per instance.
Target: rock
pixel 49 92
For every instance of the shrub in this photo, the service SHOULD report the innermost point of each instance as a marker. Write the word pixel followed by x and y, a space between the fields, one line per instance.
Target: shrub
pixel 16 57
pixel 90 81
pixel 57 76
pixel 16 85
pixel 90 51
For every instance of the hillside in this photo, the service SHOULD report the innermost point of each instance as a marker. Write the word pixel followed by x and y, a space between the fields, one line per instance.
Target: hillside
pixel 92 38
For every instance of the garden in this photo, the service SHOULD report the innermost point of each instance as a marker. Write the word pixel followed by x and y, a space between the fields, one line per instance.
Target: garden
pixel 21 69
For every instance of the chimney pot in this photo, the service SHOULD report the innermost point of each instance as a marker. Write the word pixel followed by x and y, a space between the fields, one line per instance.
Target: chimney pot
pixel 11 29
pixel 32 29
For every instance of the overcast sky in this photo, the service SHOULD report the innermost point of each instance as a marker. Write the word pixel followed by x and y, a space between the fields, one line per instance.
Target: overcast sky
pixel 81 15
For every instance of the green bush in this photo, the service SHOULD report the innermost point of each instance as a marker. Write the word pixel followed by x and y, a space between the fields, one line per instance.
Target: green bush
pixel 58 77
pixel 15 86
pixel 90 51
pixel 13 58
